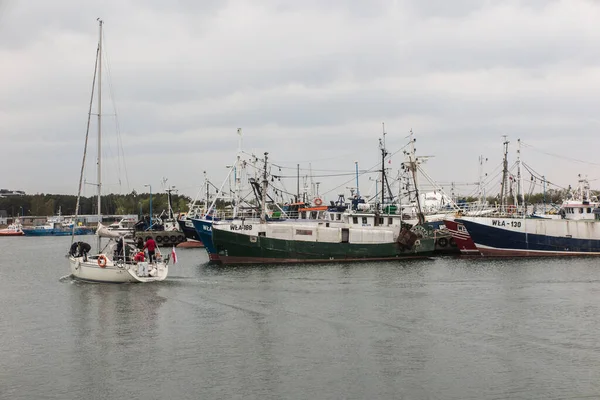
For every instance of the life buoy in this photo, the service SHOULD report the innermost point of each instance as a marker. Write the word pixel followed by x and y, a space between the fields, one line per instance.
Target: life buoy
pixel 102 261
pixel 512 208
pixel 443 242
pixel 318 201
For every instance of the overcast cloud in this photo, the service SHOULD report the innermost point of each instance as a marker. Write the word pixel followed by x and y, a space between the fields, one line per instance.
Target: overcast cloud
pixel 307 81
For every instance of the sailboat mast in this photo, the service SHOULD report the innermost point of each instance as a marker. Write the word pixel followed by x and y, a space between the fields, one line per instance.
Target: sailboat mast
pixel 87 132
pixel 99 125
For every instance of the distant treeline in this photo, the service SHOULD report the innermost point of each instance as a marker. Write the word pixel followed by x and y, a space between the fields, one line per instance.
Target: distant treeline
pixel 552 196
pixel 112 204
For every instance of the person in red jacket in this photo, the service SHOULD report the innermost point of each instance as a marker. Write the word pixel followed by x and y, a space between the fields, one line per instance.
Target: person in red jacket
pixel 139 257
pixel 151 246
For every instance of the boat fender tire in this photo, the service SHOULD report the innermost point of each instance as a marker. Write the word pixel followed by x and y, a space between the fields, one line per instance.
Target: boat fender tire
pixel 182 239
pixel 159 239
pixel 102 261
pixel 452 242
pixel 173 239
pixel 443 242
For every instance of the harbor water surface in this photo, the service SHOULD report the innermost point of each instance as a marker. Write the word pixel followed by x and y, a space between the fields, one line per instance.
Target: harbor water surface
pixel 449 328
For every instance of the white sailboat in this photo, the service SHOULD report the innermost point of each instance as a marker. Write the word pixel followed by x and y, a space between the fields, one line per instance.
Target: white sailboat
pixel 107 265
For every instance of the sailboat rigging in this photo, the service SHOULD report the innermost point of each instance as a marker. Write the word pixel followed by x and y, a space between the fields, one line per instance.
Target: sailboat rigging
pixel 115 262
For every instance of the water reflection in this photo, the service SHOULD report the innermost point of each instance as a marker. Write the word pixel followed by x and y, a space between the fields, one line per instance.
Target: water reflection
pixel 112 325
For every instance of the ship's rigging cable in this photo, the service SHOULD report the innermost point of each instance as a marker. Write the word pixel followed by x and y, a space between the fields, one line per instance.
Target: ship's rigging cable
pixel 558 155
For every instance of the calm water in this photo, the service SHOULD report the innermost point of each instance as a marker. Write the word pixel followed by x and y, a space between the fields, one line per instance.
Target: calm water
pixel 442 329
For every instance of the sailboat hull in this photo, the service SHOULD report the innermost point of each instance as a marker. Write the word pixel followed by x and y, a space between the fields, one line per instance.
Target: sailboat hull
pixel 90 271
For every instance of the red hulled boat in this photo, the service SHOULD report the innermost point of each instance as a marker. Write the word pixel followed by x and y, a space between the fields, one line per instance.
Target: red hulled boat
pixel 462 238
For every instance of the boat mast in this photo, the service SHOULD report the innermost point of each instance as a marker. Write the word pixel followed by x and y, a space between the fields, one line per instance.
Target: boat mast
pixel 207 193
pixel 383 154
pixel 544 181
pixel 87 135
pixel 413 168
pixel 99 163
pixel 237 175
pixel 265 182
pixel 520 184
pixel 298 182
pixel 480 183
pixel 170 201
pixel 385 184
pixel 504 175
pixel 357 190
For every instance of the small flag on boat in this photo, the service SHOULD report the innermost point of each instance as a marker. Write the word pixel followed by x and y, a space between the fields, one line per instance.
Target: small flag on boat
pixel 174 255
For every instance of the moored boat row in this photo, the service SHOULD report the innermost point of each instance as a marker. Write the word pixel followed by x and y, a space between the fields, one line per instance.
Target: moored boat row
pixel 573 231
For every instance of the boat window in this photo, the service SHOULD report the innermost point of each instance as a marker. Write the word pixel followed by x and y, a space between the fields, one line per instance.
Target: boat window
pixel 313 215
pixel 390 221
pixel 364 220
pixel 380 220
pixel 589 210
pixel 581 211
pixel 262 233
pixel 355 220
pixel 461 228
pixel 338 216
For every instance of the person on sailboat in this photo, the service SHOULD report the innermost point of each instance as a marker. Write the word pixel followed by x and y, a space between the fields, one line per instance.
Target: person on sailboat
pixel 139 257
pixel 119 250
pixel 80 249
pixel 151 247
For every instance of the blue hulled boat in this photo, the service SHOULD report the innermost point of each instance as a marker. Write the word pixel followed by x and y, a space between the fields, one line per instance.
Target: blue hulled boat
pixel 54 228
pixel 203 228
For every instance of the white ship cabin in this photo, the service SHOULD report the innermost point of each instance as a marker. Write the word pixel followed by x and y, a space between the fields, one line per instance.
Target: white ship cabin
pixel 359 219
pixel 581 205
pixel 574 210
pixel 309 213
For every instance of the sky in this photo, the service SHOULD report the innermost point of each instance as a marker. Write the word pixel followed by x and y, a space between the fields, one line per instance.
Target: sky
pixel 310 82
